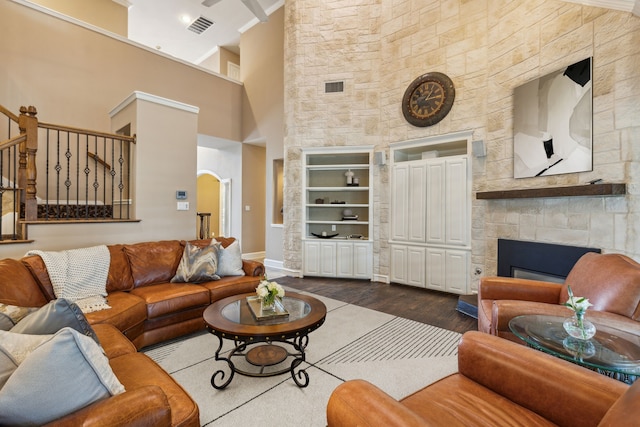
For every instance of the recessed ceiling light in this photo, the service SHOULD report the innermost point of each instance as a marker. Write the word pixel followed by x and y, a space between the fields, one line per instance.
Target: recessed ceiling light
pixel 185 18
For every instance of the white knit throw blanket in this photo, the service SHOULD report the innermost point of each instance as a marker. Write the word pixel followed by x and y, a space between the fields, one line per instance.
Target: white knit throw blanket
pixel 79 275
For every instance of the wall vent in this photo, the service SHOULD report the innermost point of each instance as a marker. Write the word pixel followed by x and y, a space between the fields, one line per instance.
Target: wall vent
pixel 332 87
pixel 200 25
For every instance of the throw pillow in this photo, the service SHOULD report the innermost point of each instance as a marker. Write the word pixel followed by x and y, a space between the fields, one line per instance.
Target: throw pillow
pixel 65 373
pixel 198 264
pixel 12 314
pixel 14 348
pixel 230 261
pixel 54 316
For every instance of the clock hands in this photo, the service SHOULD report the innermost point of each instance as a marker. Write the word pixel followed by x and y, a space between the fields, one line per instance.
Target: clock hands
pixel 428 99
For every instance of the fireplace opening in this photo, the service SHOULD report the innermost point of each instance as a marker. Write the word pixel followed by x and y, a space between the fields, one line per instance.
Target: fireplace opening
pixel 529 260
pixel 539 261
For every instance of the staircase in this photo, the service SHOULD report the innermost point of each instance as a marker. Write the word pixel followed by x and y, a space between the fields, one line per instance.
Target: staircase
pixel 60 174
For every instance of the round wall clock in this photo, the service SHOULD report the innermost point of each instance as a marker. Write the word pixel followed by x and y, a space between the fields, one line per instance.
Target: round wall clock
pixel 428 99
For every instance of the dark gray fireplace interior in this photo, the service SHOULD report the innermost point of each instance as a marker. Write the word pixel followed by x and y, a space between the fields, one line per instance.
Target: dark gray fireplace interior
pixel 529 260
pixel 539 261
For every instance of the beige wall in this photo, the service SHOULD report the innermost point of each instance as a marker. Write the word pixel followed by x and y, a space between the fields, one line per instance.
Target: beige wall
pixel 227 56
pixel 212 62
pixel 263 110
pixel 217 62
pixel 75 77
pixel 488 48
pixel 106 14
pixel 253 191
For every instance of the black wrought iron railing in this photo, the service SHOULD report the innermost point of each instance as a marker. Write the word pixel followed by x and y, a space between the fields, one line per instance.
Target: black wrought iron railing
pixel 60 173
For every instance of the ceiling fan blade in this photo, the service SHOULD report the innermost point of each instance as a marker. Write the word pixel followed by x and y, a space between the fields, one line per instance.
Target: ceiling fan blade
pixel 256 9
pixel 209 3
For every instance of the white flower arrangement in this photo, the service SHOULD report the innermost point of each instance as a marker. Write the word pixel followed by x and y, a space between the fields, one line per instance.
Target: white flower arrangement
pixel 269 291
pixel 577 304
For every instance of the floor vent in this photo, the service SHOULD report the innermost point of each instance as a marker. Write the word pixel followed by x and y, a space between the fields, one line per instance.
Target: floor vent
pixel 332 87
pixel 200 25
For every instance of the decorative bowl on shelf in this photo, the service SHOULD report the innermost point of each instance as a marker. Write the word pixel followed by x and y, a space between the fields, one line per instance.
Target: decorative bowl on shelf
pixel 325 236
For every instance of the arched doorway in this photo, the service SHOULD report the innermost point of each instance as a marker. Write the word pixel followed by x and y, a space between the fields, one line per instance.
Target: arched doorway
pixel 214 197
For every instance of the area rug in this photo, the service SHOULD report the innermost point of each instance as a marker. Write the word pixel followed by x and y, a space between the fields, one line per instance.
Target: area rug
pixel 398 355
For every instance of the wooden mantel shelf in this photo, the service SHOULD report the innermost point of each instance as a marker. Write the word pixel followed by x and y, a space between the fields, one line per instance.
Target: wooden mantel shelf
pixel 568 191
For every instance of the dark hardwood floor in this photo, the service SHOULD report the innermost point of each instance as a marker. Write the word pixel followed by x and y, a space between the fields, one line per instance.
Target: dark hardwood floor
pixel 422 305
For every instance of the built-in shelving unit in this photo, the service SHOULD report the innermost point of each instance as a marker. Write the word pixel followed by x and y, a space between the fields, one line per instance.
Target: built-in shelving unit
pixel 337 201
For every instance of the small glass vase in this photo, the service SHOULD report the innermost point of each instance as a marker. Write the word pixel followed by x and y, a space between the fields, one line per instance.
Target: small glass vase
pixel 268 306
pixel 579 328
pixel 580 349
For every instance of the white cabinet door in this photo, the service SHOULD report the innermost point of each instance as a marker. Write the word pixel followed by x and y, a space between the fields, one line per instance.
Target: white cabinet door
pixel 362 260
pixel 416 266
pixel 328 259
pixel 400 203
pixel 456 202
pixel 344 260
pixel 457 266
pixel 417 201
pixel 435 208
pixel 436 269
pixel 311 258
pixel 398 264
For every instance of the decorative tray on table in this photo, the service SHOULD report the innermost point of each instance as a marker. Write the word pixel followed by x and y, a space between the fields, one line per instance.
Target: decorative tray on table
pixel 256 309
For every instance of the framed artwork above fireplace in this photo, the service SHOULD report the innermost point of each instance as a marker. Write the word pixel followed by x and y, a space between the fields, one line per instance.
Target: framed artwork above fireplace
pixel 553 121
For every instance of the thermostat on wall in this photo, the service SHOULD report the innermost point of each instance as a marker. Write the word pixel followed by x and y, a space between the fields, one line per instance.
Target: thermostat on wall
pixel 181 194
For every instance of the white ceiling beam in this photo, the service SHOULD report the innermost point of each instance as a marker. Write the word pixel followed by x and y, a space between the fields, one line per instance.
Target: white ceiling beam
pixel 632 6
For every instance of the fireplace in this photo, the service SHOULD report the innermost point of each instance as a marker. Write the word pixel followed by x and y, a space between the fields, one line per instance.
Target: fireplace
pixel 529 260
pixel 538 261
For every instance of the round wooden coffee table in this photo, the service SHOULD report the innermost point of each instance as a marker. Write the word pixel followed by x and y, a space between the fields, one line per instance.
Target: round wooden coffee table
pixel 231 318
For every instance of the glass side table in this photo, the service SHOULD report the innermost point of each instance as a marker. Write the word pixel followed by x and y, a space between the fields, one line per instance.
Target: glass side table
pixel 611 352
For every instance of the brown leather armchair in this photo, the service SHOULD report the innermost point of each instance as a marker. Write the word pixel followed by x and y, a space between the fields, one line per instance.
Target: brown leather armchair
pixel 611 282
pixel 498 383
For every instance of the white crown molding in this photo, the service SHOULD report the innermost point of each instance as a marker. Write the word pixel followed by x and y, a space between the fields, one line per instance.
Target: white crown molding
pixel 155 99
pixel 632 6
pixel 124 3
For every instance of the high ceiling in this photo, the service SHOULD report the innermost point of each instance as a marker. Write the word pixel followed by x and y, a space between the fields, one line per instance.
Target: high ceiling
pixel 162 25
pixel 159 25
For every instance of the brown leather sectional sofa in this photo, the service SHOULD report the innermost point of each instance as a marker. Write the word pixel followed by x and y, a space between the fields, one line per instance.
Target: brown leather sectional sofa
pixel 145 309
pixel 498 383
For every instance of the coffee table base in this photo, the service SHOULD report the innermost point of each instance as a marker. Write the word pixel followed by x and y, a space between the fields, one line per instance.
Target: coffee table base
pixel 266 355
pixel 262 354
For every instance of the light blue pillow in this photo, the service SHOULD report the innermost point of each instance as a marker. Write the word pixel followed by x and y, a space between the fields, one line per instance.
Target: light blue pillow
pixel 14 348
pixel 230 260
pixel 63 374
pixel 50 318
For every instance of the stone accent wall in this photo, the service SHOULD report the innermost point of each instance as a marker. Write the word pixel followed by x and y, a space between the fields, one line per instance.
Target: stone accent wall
pixel 488 48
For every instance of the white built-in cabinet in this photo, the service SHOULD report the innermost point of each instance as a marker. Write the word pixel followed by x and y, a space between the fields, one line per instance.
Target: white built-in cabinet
pixel 328 195
pixel 430 213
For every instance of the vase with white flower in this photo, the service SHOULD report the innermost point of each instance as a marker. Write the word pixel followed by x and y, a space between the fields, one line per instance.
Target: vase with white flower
pixel 269 293
pixel 577 326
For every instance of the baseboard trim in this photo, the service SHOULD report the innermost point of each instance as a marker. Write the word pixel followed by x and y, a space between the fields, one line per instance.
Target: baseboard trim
pixel 274 264
pixel 380 278
pixel 255 256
